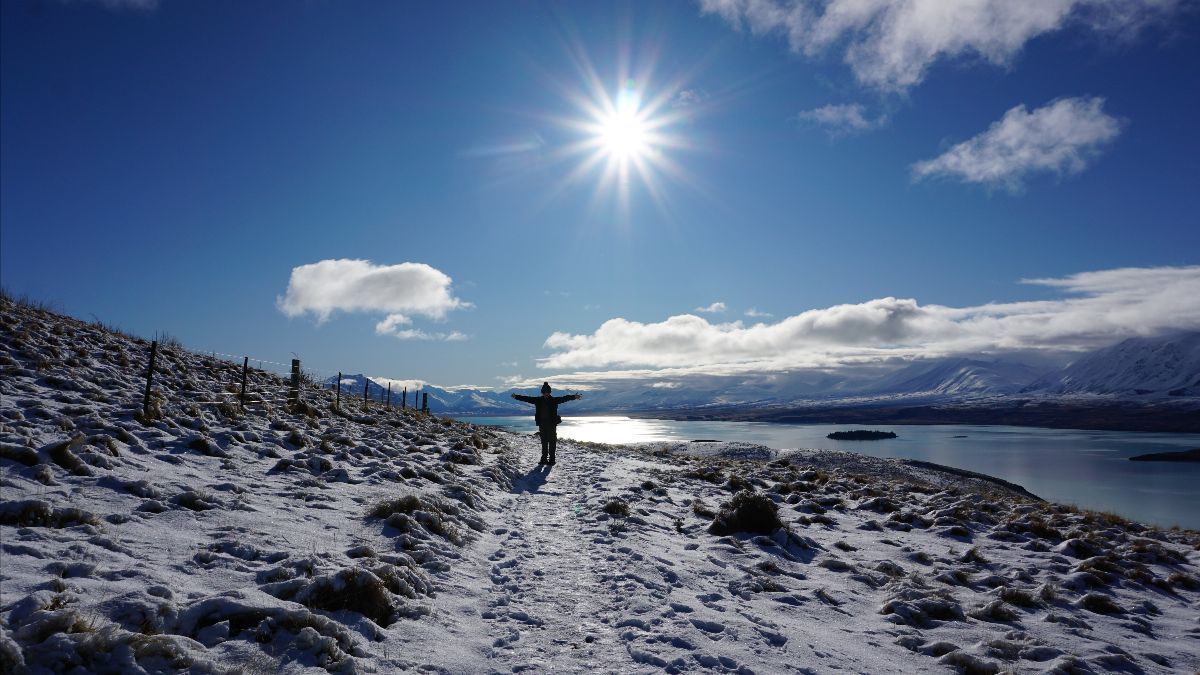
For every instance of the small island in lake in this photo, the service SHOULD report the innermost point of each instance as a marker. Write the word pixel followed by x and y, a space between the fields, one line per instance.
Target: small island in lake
pixel 861 435
pixel 1182 456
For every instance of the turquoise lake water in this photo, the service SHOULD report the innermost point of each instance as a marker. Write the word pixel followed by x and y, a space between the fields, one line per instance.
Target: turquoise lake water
pixel 1090 469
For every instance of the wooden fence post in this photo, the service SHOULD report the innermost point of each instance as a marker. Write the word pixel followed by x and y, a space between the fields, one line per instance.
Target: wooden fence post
pixel 389 395
pixel 366 390
pixel 337 402
pixel 245 367
pixel 425 403
pixel 294 392
pixel 149 380
pixel 404 399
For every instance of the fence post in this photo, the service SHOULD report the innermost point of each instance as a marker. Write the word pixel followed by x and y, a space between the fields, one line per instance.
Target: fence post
pixel 366 390
pixel 294 393
pixel 404 399
pixel 245 367
pixel 425 403
pixel 337 402
pixel 149 380
pixel 389 395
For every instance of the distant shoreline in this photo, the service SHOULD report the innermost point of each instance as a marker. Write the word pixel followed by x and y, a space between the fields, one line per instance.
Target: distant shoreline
pixel 1181 422
pixel 1181 456
pixel 1039 414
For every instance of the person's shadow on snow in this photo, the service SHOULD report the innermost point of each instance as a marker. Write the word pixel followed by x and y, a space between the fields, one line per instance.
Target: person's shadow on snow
pixel 533 480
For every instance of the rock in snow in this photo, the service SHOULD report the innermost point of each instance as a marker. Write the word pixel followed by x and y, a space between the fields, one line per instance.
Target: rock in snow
pixel 205 537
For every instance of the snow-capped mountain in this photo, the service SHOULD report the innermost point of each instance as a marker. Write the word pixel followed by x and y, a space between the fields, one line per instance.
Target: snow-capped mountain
pixel 352 388
pixel 1158 366
pixel 1138 368
pixel 478 401
pixel 957 377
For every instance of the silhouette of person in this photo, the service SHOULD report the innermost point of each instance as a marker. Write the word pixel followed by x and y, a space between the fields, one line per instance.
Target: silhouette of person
pixel 547 419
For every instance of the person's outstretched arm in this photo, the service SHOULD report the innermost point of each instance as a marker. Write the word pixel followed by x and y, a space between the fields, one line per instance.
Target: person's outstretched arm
pixel 526 399
pixel 570 397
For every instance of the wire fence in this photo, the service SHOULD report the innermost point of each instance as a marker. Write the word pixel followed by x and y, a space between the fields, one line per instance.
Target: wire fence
pixel 297 381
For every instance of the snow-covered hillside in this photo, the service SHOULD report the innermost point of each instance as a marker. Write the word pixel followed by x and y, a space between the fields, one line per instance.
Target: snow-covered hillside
pixel 1160 366
pixel 205 538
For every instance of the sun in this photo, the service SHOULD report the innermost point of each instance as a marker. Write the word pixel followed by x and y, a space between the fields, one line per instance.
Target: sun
pixel 623 131
pixel 625 139
pixel 624 136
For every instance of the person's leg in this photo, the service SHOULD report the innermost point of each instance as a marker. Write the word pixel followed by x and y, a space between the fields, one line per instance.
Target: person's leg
pixel 545 436
pixel 553 444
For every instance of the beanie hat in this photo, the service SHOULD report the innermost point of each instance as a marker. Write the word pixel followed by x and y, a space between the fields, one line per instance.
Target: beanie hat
pixel 545 387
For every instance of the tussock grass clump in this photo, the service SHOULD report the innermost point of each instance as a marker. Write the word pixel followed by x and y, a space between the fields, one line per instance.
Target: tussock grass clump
pixel 205 446
pixel 913 604
pixel 969 664
pixel 405 504
pixel 973 556
pixel 63 454
pixel 702 509
pixel 706 473
pixel 353 589
pixel 1018 597
pixel 462 453
pixel 404 513
pixel 617 508
pixel 738 483
pixel 1181 580
pixel 39 513
pixel 995 611
pixel 18 454
pixel 1099 604
pixel 748 511
pixel 195 500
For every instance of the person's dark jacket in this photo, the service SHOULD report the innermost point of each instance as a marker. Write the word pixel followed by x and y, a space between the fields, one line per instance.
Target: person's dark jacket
pixel 547 408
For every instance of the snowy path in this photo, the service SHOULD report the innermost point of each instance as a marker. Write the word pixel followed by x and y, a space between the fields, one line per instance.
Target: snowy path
pixel 573 589
pixel 553 581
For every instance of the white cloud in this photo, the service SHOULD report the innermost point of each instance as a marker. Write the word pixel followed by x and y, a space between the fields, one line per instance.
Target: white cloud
pixel 1062 137
pixel 398 386
pixel 686 98
pixel 841 120
pixel 714 308
pixel 391 323
pixel 418 334
pixel 1098 308
pixel 891 45
pixel 399 291
pixel 756 314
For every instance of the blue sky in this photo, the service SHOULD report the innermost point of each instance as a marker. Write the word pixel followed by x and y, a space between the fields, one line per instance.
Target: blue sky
pixel 211 170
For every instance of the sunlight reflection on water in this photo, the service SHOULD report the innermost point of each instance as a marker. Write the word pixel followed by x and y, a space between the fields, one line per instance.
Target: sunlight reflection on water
pixel 1087 468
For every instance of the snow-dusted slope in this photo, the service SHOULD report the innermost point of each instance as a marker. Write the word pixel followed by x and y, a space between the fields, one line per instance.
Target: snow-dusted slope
pixel 1160 366
pixel 957 377
pixel 208 539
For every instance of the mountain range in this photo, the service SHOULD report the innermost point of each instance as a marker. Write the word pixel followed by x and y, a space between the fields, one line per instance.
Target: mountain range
pixel 1137 371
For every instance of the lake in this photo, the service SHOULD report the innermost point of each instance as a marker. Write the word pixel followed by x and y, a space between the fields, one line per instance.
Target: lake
pixel 1090 469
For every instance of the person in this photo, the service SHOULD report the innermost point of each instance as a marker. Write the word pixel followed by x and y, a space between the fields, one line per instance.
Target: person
pixel 547 419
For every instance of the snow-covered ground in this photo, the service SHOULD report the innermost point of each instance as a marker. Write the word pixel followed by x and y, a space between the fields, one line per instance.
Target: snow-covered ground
pixel 211 539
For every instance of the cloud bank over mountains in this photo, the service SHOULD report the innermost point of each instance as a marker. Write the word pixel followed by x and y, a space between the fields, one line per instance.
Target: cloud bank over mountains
pixel 400 292
pixel 1099 308
pixel 1061 138
pixel 891 45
